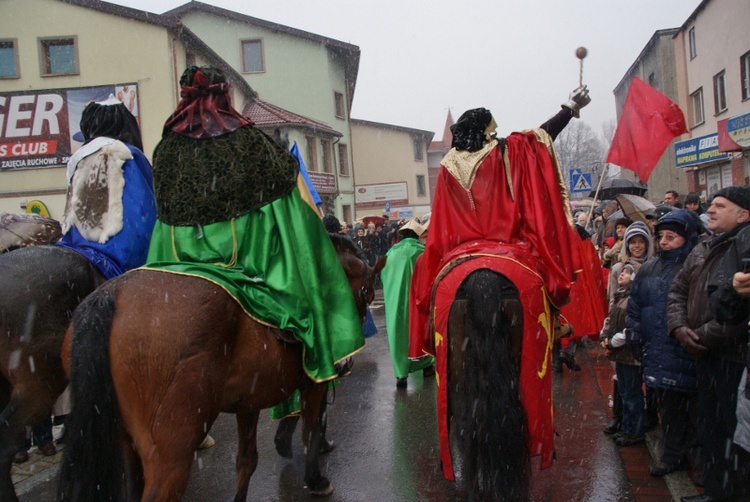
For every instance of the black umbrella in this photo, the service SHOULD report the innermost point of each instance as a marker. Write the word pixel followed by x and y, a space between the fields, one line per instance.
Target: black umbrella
pixel 611 188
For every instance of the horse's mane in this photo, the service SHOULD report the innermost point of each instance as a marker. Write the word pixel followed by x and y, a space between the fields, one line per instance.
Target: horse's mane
pixel 344 243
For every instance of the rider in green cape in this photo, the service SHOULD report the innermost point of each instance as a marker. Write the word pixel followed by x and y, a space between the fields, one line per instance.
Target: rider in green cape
pixel 396 277
pixel 233 209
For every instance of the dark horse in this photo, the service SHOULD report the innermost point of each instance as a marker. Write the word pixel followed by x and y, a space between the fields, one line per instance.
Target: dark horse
pixel 487 421
pixel 41 287
pixel 155 357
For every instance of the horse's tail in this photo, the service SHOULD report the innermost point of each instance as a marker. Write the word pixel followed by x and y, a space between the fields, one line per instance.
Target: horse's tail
pixel 492 413
pixel 92 466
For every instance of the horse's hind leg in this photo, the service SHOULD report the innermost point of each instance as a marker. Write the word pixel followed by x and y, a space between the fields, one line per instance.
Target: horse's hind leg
pixel 284 434
pixel 27 406
pixel 312 400
pixel 247 455
pixel 13 431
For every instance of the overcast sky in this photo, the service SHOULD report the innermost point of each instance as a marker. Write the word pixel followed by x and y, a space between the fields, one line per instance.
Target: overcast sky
pixel 419 58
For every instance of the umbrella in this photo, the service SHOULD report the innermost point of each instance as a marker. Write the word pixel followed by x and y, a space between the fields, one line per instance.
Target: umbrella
pixel 635 207
pixel 372 218
pixel 613 187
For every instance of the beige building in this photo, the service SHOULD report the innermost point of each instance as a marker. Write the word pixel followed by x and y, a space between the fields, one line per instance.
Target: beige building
pixel 656 66
pixel 713 69
pixel 392 170
pixel 57 55
pixel 309 76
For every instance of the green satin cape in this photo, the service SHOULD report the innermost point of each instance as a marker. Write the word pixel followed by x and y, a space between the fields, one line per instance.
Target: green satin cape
pixel 396 278
pixel 279 264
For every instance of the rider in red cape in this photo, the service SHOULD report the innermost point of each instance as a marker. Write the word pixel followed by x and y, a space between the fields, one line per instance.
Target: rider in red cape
pixel 588 296
pixel 500 203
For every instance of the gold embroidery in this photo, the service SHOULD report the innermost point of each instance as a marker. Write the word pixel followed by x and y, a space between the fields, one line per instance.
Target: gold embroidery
pixel 463 165
pixel 545 319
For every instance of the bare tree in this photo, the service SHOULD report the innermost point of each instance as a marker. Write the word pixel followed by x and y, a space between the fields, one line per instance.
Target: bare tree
pixel 578 147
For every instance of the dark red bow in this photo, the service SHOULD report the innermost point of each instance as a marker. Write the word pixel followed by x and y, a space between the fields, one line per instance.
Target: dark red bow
pixel 205 110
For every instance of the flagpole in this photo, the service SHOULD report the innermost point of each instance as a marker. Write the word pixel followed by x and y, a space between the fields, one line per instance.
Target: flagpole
pixel 596 195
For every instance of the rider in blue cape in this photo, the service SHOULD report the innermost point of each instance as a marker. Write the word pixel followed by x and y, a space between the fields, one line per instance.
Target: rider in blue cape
pixel 110 209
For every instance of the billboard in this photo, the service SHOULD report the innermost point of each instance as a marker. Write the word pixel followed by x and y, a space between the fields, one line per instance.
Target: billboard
pixel 377 195
pixel 37 127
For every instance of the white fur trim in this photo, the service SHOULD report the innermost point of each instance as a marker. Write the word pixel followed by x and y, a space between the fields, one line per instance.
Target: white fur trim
pixel 98 173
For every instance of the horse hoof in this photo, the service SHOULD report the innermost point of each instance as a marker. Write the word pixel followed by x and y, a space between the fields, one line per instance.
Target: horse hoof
pixel 207 443
pixel 322 489
pixel 326 446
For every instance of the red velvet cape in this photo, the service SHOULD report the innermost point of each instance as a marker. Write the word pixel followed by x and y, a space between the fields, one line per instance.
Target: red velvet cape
pixel 588 296
pixel 531 233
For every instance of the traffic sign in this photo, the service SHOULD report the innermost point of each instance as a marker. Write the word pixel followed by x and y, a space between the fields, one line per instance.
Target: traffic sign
pixel 580 182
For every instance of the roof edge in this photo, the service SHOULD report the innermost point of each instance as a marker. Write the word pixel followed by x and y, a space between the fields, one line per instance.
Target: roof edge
pixel 410 130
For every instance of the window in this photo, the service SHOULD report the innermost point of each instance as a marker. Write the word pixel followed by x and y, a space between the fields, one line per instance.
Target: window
pixel 59 56
pixel 691 40
pixel 745 73
pixel 9 59
pixel 696 100
pixel 421 187
pixel 720 92
pixel 252 56
pixel 346 209
pixel 312 154
pixel 327 160
pixel 338 99
pixel 417 149
pixel 343 160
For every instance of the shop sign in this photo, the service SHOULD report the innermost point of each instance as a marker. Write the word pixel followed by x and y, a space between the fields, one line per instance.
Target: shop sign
pixel 739 130
pixel 699 150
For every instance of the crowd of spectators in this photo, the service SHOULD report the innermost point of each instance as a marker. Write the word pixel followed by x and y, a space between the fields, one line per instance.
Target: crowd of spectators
pixel 677 332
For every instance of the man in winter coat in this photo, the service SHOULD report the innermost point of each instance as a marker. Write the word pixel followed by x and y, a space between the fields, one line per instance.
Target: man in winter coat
pixel 720 347
pixel 667 367
pixel 729 294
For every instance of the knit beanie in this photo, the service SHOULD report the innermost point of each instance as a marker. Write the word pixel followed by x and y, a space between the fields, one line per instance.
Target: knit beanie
pixel 673 226
pixel 637 228
pixel 740 195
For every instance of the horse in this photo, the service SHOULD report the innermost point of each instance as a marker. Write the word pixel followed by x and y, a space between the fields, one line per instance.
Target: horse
pixel 154 358
pixel 487 420
pixel 42 286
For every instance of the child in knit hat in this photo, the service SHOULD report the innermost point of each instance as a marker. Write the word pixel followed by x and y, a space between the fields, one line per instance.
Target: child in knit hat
pixel 628 420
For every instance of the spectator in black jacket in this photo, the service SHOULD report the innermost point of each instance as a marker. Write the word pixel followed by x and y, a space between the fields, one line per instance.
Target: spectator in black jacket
pixel 720 348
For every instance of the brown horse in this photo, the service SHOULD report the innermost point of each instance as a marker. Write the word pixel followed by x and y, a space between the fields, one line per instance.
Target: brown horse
pixel 155 357
pixel 41 287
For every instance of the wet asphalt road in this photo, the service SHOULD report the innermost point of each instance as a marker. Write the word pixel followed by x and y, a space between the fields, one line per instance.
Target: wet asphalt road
pixel 387 448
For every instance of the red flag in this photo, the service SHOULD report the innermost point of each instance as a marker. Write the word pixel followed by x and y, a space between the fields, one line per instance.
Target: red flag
pixel 649 121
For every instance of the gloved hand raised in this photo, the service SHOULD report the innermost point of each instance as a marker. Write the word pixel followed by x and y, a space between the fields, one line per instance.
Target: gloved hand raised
pixel 577 100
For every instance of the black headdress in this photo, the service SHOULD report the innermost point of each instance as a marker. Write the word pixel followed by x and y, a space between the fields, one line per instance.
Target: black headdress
pixel 111 119
pixel 469 130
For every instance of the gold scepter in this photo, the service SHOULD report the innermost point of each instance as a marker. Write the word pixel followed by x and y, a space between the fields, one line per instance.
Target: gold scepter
pixel 581 54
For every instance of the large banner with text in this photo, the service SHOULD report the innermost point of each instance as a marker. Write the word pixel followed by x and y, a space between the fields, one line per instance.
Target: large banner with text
pixel 37 127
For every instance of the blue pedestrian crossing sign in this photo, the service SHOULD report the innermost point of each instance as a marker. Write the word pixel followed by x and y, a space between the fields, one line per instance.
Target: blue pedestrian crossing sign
pixel 580 182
